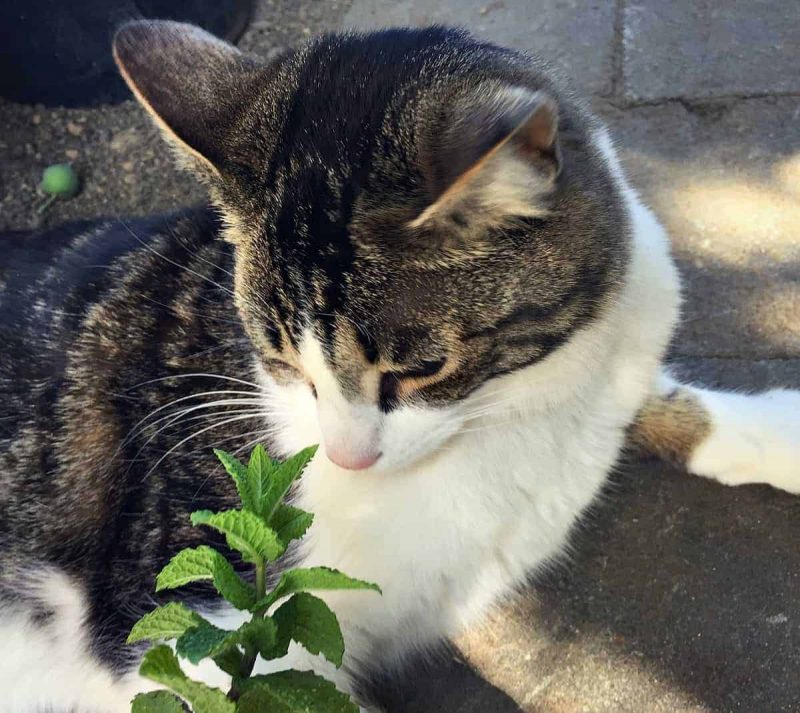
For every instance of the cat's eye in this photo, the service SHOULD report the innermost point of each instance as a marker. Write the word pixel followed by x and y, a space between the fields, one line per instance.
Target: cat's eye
pixel 390 381
pixel 427 367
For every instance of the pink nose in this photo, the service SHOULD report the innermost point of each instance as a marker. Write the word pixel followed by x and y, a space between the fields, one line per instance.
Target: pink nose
pixel 351 461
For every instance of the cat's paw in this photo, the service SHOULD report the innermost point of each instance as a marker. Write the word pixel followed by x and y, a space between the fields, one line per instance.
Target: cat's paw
pixel 753 439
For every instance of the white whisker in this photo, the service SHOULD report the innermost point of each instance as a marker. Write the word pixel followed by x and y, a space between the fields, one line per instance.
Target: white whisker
pixel 195 435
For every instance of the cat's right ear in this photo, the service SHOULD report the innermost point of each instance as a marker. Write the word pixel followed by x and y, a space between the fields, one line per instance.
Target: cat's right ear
pixel 193 85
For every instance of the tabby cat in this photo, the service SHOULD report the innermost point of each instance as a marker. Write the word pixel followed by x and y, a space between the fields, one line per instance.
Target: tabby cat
pixel 423 254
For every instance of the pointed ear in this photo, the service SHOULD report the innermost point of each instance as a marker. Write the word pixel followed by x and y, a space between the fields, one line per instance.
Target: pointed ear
pixel 492 155
pixel 192 84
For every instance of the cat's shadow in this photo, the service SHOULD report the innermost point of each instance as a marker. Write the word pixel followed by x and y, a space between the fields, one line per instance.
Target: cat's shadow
pixel 448 685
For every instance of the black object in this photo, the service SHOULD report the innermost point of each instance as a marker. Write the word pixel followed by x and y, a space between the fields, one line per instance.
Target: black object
pixel 59 52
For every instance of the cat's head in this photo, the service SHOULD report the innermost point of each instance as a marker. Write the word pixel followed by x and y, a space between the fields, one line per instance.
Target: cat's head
pixel 417 216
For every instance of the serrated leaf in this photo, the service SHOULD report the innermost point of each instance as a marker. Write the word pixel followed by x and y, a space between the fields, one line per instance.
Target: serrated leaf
pixel 203 563
pixel 159 664
pixel 260 470
pixel 244 531
pixel 167 622
pixel 310 622
pixel 309 579
pixel 261 700
pixel 290 523
pixel 299 692
pixel 209 641
pixel 201 642
pixel 156 702
pixel 282 478
pixel 238 471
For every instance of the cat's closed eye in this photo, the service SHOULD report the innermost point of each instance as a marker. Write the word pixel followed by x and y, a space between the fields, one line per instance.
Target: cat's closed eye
pixel 391 381
pixel 427 367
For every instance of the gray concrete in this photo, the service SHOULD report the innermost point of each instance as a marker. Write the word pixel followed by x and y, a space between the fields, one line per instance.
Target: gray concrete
pixel 709 48
pixel 576 37
pixel 680 595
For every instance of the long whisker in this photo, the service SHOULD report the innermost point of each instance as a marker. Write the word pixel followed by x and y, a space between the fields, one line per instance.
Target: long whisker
pixel 206 416
pixel 196 375
pixel 192 312
pixel 260 434
pixel 196 434
pixel 173 262
pixel 134 429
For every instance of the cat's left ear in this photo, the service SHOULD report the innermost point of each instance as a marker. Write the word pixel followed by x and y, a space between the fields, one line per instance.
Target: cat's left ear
pixel 193 84
pixel 489 155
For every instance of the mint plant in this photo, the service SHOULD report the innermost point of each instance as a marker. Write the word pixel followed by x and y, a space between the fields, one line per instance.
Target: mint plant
pixel 261 531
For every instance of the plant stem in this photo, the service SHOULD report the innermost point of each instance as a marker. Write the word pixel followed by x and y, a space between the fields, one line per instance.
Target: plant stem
pixel 250 651
pixel 46 204
pixel 261 580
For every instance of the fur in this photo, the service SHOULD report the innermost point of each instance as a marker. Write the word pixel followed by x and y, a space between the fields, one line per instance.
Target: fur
pixel 471 343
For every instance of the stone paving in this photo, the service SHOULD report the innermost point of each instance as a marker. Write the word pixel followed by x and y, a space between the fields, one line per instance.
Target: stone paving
pixel 680 595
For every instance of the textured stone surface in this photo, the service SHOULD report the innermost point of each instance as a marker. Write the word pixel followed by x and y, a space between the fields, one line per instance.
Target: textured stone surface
pixel 724 177
pixel 122 162
pixel 576 36
pixel 710 47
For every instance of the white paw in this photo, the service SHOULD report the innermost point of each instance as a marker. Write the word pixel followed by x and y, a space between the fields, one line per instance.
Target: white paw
pixel 754 439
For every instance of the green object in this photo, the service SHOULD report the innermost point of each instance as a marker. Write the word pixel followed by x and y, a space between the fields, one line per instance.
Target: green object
pixel 261 531
pixel 157 702
pixel 60 180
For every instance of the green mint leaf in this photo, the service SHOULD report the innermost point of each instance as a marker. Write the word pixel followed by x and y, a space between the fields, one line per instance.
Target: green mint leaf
pixel 229 660
pixel 309 621
pixel 298 691
pixel 290 523
pixel 207 640
pixel 244 531
pixel 159 664
pixel 260 700
pixel 202 641
pixel 156 702
pixel 282 478
pixel 260 633
pixel 238 471
pixel 312 578
pixel 167 622
pixel 201 563
pixel 260 470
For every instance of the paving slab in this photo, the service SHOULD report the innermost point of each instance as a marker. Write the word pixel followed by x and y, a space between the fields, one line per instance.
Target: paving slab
pixel 576 36
pixel 686 48
pixel 724 177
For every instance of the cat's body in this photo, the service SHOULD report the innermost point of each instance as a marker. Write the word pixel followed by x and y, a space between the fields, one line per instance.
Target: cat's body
pixel 496 359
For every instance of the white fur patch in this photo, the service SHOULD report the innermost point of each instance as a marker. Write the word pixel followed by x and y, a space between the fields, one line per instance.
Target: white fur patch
pixel 48 663
pixel 754 439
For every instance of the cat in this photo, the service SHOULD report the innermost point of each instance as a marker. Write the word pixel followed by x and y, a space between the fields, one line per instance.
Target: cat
pixel 424 255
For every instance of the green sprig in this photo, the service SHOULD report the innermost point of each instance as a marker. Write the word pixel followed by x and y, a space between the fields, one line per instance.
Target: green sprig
pixel 260 531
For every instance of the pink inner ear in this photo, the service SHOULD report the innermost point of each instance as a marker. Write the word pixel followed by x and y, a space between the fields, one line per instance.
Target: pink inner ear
pixel 540 129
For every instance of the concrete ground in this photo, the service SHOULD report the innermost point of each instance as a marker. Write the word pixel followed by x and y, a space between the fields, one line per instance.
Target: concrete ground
pixel 681 595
